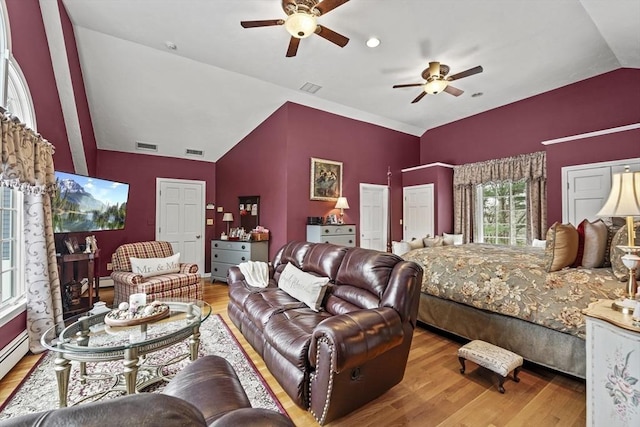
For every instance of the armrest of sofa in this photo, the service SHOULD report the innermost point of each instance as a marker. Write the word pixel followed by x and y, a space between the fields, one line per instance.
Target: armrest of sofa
pixel 358 336
pixel 187 267
pixel 127 277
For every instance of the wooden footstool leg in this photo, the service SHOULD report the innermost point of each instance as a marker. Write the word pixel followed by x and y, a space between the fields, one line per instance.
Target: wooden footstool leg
pixel 515 374
pixel 461 359
pixel 501 383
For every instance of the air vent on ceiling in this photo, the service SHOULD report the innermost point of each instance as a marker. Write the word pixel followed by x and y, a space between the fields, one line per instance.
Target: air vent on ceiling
pixel 192 152
pixel 145 146
pixel 310 87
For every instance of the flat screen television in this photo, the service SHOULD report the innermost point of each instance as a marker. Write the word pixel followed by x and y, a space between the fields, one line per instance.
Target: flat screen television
pixel 84 204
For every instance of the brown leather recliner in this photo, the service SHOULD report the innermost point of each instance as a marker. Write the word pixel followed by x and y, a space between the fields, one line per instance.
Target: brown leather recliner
pixel 205 393
pixel 352 351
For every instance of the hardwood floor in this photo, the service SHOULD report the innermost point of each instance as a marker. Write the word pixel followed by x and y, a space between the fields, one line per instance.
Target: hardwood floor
pixel 433 392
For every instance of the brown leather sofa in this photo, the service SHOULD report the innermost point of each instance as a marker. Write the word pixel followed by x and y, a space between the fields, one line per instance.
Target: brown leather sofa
pixel 350 352
pixel 206 393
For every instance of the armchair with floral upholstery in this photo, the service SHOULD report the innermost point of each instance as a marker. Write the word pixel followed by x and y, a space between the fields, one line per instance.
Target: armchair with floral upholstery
pixel 182 282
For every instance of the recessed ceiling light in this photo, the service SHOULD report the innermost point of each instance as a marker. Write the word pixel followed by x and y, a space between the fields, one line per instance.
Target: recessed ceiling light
pixel 477 94
pixel 171 45
pixel 373 42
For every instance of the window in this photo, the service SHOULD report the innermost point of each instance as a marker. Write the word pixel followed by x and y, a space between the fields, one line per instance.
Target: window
pixel 11 282
pixel 502 213
pixel 18 97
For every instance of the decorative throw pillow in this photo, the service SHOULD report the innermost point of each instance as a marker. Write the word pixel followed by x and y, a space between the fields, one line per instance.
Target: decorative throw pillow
pixel 303 286
pixel 613 229
pixel 400 248
pixel 537 243
pixel 147 267
pixel 592 244
pixel 430 242
pixel 621 239
pixel 452 239
pixel 416 244
pixel 562 246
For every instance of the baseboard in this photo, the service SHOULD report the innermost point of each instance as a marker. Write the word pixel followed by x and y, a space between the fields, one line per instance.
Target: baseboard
pixel 11 354
pixel 106 282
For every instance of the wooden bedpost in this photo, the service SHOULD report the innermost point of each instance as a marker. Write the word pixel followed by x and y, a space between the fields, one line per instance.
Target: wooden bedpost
pixel 389 208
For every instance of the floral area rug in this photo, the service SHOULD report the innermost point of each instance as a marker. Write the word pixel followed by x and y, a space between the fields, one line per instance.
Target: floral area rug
pixel 39 391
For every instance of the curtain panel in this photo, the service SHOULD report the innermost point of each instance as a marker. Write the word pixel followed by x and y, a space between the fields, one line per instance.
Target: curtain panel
pixel 529 167
pixel 27 165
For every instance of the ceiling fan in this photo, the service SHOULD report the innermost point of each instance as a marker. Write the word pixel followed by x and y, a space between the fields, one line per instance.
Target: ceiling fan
pixel 437 80
pixel 301 22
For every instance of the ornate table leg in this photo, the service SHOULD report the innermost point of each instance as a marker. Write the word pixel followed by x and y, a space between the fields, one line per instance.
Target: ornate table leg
pixel 83 340
pixel 62 369
pixel 194 343
pixel 130 369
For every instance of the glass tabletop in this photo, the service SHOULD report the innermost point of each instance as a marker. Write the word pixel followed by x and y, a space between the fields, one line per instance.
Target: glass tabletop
pixel 88 332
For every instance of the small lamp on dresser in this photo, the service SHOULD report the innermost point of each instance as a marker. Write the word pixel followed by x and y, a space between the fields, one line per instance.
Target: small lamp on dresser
pixel 342 204
pixel 228 218
pixel 624 201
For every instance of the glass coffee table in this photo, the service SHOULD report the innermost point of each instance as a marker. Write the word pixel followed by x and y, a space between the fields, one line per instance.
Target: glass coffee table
pixel 89 339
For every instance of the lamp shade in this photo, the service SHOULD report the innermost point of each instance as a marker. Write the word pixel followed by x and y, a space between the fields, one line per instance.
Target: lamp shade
pixel 624 199
pixel 435 86
pixel 342 203
pixel 227 217
pixel 301 25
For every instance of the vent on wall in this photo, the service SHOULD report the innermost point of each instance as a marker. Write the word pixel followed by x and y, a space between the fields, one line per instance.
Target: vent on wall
pixel 192 152
pixel 145 146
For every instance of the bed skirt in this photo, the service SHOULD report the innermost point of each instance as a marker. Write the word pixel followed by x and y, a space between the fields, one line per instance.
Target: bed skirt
pixel 547 347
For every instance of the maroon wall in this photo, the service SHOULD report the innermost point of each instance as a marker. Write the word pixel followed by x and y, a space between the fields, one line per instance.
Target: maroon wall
pixel 140 172
pixel 293 135
pixel 518 128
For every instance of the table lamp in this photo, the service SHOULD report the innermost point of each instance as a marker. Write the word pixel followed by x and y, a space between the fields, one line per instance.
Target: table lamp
pixel 624 201
pixel 342 204
pixel 228 218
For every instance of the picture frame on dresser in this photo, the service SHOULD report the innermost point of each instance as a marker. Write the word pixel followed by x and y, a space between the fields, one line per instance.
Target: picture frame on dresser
pixel 326 179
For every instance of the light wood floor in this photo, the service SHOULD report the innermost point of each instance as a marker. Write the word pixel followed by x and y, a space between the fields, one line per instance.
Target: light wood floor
pixel 433 392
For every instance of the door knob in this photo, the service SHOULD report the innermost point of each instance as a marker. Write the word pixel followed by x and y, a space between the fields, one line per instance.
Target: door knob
pixel 198 236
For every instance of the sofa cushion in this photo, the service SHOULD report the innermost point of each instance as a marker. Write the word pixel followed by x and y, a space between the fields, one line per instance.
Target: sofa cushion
pixel 303 286
pixel 147 267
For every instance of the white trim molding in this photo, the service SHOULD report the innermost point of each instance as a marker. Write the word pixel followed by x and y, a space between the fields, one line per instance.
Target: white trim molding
pixel 428 165
pixel 592 134
pixel 11 354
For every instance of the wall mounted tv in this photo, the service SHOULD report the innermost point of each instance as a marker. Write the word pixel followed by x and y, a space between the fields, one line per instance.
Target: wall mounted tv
pixel 85 204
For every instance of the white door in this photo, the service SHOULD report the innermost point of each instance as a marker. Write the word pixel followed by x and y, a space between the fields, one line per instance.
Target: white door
pixel 586 188
pixel 374 208
pixel 417 211
pixel 179 218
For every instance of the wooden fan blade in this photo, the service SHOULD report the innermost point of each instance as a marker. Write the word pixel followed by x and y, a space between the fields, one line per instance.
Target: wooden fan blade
pixel 265 23
pixel 293 47
pixel 453 90
pixel 469 72
pixel 326 6
pixel 408 85
pixel 419 97
pixel 332 36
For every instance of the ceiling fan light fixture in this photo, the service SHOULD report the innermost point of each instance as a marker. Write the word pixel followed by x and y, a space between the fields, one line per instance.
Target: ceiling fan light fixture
pixel 434 86
pixel 300 24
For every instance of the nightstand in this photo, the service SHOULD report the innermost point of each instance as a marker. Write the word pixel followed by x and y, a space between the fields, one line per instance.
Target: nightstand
pixel 337 234
pixel 613 367
pixel 227 253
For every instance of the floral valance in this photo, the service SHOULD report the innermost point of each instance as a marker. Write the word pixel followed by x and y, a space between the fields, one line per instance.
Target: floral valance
pixel 530 167
pixel 27 158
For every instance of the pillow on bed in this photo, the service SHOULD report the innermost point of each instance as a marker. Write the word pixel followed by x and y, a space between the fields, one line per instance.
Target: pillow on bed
pixel 562 246
pixel 416 244
pixel 452 239
pixel 621 238
pixel 430 242
pixel 537 243
pixel 592 244
pixel 400 248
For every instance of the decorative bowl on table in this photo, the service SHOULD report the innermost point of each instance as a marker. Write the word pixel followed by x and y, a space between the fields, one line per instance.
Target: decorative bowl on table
pixel 126 315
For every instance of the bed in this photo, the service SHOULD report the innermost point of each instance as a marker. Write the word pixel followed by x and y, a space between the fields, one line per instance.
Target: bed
pixel 503 295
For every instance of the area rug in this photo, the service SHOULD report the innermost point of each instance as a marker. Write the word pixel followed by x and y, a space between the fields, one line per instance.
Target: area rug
pixel 39 391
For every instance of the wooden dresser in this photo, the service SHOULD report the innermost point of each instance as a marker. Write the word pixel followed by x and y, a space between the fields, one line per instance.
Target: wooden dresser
pixel 338 234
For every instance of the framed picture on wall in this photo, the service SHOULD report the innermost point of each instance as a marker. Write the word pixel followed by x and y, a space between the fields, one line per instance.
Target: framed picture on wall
pixel 326 179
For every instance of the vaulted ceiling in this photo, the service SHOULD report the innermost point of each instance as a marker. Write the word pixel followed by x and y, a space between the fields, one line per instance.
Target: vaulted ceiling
pixel 222 80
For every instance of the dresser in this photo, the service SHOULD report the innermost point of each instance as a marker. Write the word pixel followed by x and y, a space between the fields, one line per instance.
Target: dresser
pixel 227 253
pixel 613 367
pixel 338 234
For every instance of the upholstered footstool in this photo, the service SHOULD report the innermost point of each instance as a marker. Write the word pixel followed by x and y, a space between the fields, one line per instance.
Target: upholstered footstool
pixel 492 357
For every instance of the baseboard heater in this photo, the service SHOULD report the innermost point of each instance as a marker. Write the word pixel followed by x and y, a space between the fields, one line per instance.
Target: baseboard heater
pixel 11 354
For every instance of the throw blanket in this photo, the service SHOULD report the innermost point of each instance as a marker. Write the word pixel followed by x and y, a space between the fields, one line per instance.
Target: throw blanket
pixel 256 273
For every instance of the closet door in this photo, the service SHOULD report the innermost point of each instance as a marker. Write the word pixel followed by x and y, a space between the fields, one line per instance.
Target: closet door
pixel 418 211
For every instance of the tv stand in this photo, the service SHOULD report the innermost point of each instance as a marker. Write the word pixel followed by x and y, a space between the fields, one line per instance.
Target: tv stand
pixel 73 270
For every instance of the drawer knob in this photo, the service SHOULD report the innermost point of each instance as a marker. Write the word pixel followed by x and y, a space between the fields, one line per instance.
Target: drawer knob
pixel 350 241
pixel 215 255
pixel 215 244
pixel 244 259
pixel 215 269
pixel 243 247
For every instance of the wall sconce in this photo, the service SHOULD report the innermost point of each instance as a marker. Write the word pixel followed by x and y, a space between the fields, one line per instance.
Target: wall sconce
pixel 228 218
pixel 342 204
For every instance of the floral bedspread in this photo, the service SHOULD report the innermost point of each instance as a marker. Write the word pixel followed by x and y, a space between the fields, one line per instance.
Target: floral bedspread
pixel 512 281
